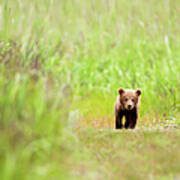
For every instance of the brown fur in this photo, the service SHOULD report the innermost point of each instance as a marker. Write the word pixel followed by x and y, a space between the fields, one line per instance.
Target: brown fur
pixel 127 104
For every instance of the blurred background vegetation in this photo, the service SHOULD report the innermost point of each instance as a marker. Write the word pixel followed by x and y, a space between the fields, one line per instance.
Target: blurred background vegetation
pixel 61 64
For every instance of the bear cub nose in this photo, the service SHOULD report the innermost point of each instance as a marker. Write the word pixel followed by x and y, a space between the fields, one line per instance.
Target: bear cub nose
pixel 129 106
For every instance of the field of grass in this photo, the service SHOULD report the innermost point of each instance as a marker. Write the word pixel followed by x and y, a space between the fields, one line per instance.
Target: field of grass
pixel 61 64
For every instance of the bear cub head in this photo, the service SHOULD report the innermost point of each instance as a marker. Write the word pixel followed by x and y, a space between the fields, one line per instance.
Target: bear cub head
pixel 129 98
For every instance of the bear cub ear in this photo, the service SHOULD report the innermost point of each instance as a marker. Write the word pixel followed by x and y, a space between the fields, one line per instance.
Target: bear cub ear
pixel 121 91
pixel 138 92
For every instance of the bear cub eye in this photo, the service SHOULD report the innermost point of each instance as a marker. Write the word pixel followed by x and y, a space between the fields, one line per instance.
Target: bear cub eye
pixel 126 99
pixel 133 100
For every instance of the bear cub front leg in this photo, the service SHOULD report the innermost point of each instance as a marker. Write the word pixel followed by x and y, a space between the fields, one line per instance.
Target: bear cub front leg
pixel 118 120
pixel 131 119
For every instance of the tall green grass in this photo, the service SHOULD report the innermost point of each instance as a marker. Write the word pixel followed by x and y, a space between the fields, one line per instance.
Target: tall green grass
pixel 101 46
pixel 61 64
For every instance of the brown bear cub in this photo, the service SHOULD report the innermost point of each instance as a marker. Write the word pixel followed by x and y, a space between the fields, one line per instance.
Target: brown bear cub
pixel 127 105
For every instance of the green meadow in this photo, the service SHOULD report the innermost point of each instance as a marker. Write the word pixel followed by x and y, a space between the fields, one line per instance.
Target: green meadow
pixel 61 65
